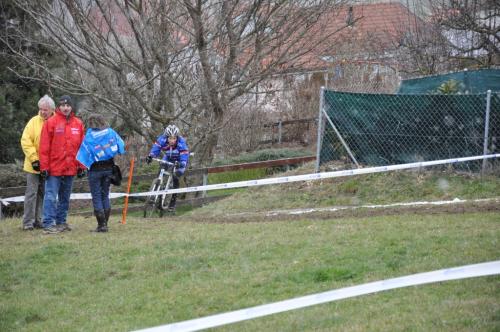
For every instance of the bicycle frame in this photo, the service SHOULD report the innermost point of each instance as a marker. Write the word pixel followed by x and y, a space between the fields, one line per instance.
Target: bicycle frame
pixel 160 200
pixel 169 170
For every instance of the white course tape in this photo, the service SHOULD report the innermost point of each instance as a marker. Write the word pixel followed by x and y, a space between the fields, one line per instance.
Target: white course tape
pixel 462 272
pixel 73 196
pixel 376 206
pixel 318 176
pixel 286 179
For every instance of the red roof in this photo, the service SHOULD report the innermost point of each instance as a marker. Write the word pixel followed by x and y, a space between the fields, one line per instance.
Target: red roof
pixel 110 16
pixel 375 29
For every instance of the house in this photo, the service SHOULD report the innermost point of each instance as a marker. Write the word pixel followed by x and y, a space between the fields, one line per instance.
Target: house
pixel 363 52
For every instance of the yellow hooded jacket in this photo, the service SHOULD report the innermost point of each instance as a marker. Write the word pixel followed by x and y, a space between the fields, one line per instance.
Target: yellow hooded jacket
pixel 30 142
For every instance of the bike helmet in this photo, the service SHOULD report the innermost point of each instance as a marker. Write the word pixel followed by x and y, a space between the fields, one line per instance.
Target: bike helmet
pixel 171 130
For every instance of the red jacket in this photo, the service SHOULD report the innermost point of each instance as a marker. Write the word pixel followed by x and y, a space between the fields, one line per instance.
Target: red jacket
pixel 59 143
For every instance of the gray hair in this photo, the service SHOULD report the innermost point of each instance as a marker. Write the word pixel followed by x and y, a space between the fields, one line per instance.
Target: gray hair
pixel 47 101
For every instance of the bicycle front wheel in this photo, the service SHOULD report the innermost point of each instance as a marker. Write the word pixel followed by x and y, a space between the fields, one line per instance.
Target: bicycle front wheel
pixel 151 203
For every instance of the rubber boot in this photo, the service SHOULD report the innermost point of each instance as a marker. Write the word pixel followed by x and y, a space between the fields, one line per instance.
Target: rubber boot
pixel 101 219
pixel 106 219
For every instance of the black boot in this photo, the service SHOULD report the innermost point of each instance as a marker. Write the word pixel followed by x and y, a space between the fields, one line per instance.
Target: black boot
pixel 171 204
pixel 101 220
pixel 106 219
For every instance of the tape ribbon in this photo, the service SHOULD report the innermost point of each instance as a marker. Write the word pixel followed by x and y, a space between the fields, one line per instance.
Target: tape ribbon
pixel 462 272
pixel 286 179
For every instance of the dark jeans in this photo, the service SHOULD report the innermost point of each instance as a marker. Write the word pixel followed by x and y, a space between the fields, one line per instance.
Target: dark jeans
pixel 56 199
pixel 99 182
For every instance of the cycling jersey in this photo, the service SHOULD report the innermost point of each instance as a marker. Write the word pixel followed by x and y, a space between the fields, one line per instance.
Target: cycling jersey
pixel 179 152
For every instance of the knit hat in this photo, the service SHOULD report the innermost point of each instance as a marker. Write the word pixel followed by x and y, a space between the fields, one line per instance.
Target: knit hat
pixel 66 100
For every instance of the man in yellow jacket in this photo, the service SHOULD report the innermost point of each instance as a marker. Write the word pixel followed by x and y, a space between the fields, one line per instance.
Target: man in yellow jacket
pixel 30 141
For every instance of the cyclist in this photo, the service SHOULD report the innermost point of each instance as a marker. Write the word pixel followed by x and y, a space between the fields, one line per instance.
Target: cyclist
pixel 175 149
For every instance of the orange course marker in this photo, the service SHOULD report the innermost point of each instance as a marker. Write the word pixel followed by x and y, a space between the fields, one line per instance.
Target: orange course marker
pixel 125 207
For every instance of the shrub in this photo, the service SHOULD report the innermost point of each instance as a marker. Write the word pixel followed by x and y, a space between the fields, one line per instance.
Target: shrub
pixel 11 175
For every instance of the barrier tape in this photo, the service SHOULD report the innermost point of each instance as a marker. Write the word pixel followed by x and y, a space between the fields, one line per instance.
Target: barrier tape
pixel 286 179
pixel 378 206
pixel 462 272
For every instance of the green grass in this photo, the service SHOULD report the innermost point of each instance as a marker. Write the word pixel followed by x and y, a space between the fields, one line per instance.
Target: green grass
pixel 162 270
pixel 262 155
pixel 234 176
pixel 240 175
pixel 157 271
pixel 378 188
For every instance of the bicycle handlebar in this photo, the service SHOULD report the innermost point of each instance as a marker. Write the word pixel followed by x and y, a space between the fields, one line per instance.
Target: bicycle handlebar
pixel 168 163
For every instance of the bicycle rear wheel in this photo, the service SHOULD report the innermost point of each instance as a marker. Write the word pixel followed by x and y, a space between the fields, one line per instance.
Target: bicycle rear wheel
pixel 151 203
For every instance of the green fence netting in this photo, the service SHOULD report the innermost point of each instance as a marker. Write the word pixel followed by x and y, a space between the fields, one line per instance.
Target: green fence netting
pixel 472 81
pixel 382 129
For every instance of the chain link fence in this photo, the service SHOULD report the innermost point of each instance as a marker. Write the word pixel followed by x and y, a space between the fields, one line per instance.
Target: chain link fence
pixel 386 129
pixel 370 117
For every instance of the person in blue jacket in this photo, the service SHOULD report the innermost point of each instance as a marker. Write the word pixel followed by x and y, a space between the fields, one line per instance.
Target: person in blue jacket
pixel 99 146
pixel 175 149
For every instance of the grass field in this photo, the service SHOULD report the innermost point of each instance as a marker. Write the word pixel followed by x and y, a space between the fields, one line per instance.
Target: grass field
pixel 379 188
pixel 150 272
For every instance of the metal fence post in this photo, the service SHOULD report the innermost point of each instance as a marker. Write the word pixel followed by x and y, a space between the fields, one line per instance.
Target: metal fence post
pixel 272 134
pixel 486 128
pixel 279 131
pixel 349 152
pixel 205 182
pixel 320 127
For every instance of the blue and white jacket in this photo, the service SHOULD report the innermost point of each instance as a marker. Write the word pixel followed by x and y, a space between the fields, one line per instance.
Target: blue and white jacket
pixel 99 145
pixel 179 152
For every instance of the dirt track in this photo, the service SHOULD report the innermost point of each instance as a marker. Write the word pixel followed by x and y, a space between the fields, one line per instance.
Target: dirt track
pixel 352 212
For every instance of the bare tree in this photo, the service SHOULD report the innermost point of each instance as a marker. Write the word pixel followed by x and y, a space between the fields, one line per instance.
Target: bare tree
pixel 123 55
pixel 186 61
pixel 472 27
pixel 422 49
pixel 242 43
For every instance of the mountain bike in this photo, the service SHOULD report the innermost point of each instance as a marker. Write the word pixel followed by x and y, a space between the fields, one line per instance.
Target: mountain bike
pixel 164 181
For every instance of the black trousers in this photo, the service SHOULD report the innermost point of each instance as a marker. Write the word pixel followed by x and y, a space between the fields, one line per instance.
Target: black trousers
pixel 175 185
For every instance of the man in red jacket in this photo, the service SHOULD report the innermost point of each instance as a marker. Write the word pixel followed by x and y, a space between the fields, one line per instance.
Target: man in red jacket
pixel 61 137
